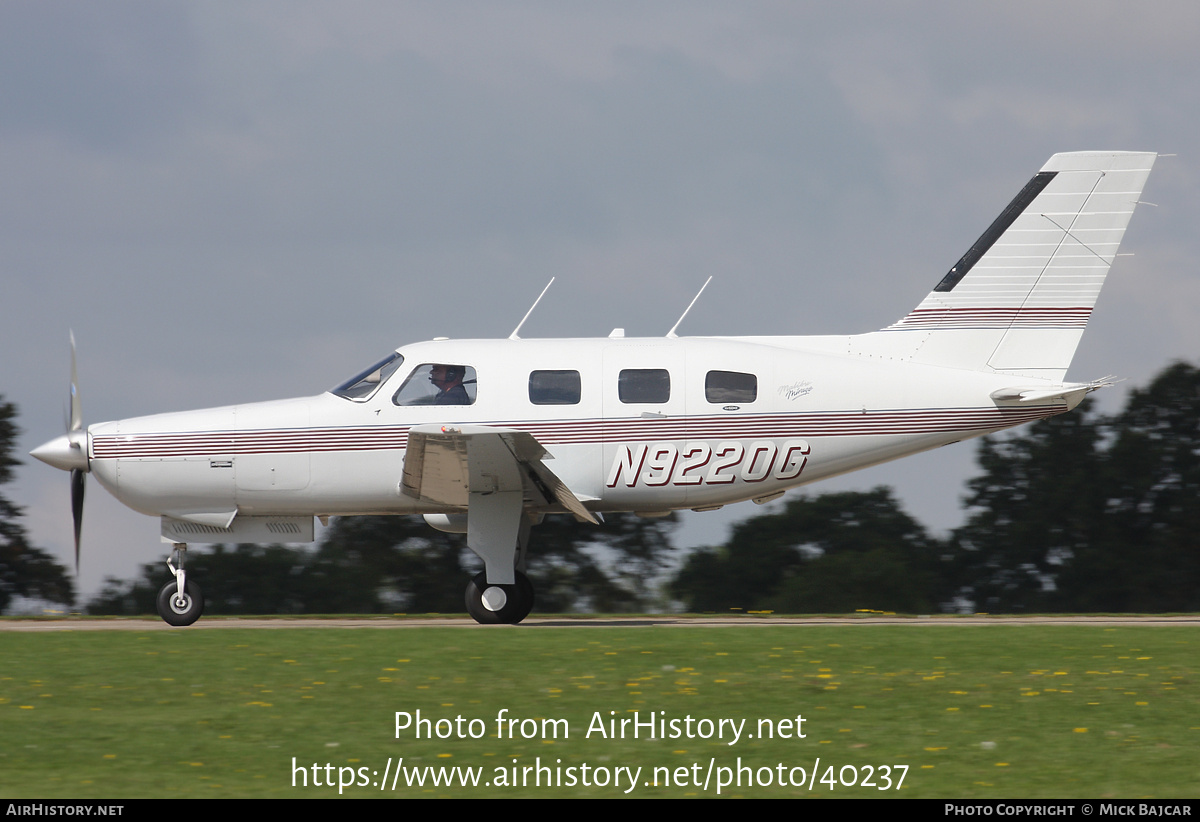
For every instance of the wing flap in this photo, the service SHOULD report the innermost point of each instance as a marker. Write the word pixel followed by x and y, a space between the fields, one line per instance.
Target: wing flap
pixel 445 465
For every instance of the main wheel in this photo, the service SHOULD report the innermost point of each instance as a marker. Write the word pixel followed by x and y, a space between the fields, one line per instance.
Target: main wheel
pixel 180 610
pixel 525 589
pixel 499 604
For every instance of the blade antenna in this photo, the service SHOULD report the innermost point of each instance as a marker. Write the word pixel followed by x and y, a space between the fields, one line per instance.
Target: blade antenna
pixel 671 334
pixel 513 336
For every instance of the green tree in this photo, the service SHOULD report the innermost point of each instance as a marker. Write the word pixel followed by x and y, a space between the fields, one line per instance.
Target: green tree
pixel 419 569
pixel 389 564
pixel 365 565
pixel 241 579
pixel 1037 505
pixel 25 571
pixel 1085 513
pixel 831 553
pixel 610 568
pixel 641 551
pixel 1146 552
pixel 566 572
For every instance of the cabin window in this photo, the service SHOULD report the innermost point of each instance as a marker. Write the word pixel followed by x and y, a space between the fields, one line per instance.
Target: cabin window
pixel 730 386
pixel 438 384
pixel 362 386
pixel 554 387
pixel 644 385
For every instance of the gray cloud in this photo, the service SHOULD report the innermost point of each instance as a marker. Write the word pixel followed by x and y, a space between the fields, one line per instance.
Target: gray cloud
pixel 117 76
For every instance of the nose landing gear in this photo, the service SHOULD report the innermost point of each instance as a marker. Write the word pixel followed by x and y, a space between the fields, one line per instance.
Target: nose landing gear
pixel 180 602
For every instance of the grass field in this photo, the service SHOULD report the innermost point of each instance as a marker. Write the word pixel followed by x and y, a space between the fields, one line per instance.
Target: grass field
pixel 1003 711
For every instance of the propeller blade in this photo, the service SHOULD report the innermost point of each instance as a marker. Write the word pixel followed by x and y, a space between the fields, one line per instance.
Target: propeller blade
pixel 76 409
pixel 78 483
pixel 78 477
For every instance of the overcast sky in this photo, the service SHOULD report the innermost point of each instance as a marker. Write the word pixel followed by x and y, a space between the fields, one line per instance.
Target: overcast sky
pixel 241 201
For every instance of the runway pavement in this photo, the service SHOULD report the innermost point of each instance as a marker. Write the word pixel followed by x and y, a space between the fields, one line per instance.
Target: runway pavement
pixel 567 621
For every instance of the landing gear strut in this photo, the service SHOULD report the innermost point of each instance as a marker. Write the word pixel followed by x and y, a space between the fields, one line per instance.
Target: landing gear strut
pixel 499 604
pixel 180 601
pixel 498 532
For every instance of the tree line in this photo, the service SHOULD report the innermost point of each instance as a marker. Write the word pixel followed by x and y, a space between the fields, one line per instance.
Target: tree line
pixel 1082 512
pixel 25 571
pixel 398 564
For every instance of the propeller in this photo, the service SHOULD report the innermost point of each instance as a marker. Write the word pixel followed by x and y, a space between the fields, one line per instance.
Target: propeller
pixel 78 475
pixel 70 453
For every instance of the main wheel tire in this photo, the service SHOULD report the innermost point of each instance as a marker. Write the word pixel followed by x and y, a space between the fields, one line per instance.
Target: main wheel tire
pixel 499 604
pixel 180 611
pixel 525 590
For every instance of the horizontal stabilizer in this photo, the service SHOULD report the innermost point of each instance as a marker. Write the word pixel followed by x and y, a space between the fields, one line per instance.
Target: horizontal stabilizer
pixel 1072 393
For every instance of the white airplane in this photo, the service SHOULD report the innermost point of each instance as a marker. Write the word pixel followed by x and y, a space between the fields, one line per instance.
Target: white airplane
pixel 486 437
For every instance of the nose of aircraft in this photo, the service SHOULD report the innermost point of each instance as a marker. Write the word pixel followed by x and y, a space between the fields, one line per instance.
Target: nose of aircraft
pixel 68 452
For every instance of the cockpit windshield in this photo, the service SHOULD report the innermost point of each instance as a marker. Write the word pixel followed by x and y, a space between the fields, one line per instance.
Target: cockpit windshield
pixel 362 386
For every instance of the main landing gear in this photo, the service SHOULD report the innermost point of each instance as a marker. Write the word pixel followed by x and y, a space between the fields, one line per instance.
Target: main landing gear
pixel 180 602
pixel 498 533
pixel 499 604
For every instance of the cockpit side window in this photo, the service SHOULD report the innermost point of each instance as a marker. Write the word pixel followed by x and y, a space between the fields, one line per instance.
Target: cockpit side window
pixel 438 384
pixel 362 387
pixel 730 386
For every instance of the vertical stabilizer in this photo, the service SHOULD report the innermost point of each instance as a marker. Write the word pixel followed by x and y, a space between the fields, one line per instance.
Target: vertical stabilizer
pixel 1019 299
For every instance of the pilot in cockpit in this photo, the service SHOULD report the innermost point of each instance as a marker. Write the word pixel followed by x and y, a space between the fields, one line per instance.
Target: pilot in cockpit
pixel 449 381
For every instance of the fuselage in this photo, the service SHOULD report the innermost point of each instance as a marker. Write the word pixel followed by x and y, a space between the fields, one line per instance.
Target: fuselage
pixel 648 425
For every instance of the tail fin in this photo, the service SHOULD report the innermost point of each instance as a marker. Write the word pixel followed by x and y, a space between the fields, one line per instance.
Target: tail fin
pixel 1019 299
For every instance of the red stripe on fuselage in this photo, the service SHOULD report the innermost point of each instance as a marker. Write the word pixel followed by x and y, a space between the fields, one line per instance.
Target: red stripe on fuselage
pixel 743 426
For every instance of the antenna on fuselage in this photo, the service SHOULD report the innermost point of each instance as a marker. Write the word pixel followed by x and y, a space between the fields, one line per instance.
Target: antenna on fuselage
pixel 671 333
pixel 513 336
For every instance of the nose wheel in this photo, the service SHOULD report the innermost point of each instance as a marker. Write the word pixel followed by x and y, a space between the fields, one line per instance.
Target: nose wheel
pixel 499 604
pixel 180 602
pixel 180 609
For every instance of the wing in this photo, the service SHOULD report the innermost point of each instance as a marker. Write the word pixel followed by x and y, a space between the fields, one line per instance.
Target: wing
pixel 446 465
